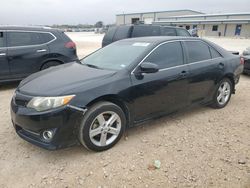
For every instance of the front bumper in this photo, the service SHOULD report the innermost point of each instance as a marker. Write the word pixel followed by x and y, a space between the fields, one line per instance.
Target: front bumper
pixel 30 124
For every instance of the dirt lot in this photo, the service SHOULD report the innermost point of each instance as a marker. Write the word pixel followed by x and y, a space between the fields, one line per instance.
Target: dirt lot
pixel 199 147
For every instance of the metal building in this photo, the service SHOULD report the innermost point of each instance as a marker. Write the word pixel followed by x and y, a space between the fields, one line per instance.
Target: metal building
pixel 226 24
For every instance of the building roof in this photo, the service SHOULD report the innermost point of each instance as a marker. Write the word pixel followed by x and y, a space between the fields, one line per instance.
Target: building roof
pixel 212 15
pixel 206 21
pixel 197 12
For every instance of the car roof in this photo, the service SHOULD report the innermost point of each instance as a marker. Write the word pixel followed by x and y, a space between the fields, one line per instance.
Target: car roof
pixel 158 39
pixel 28 28
pixel 151 25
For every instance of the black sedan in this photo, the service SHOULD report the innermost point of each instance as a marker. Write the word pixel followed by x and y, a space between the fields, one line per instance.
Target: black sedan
pixel 246 56
pixel 119 86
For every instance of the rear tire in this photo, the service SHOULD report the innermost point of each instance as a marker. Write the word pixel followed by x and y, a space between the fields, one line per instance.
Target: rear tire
pixel 102 126
pixel 222 94
pixel 50 64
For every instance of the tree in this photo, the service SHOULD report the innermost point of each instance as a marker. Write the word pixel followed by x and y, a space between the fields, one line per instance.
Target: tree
pixel 99 24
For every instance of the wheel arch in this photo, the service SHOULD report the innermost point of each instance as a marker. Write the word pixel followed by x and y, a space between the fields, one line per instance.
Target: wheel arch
pixel 116 100
pixel 52 59
pixel 230 76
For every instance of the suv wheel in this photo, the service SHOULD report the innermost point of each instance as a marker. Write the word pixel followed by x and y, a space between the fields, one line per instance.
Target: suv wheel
pixel 102 126
pixel 223 94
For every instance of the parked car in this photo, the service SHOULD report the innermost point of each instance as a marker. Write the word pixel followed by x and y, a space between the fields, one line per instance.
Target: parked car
pixel 92 103
pixel 246 56
pixel 116 33
pixel 25 50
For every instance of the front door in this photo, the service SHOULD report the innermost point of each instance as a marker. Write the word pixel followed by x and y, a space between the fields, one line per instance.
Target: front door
pixel 4 66
pixel 25 53
pixel 164 91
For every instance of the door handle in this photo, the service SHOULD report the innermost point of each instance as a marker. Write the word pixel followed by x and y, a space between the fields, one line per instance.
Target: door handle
pixel 41 50
pixel 2 54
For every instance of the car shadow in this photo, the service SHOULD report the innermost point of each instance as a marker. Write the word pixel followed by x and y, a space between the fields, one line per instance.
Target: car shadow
pixel 143 129
pixel 8 86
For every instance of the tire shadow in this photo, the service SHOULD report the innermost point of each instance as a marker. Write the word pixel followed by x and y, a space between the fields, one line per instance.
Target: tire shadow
pixel 8 86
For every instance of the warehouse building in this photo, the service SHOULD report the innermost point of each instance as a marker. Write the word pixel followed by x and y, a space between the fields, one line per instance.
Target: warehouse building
pixel 226 24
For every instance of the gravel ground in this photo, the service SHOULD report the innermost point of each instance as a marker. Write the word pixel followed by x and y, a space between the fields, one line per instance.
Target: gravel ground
pixel 199 147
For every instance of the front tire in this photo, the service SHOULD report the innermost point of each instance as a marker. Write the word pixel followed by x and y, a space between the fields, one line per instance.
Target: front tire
pixel 222 94
pixel 102 126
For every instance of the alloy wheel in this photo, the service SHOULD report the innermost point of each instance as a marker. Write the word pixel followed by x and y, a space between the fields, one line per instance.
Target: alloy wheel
pixel 224 92
pixel 105 128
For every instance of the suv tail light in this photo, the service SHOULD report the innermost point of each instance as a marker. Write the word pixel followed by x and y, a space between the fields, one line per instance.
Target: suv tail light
pixel 242 61
pixel 70 45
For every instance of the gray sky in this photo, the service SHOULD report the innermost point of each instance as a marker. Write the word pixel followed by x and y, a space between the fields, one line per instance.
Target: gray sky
pixel 47 12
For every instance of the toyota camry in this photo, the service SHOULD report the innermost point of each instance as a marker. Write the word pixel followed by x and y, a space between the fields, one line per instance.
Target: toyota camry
pixel 119 86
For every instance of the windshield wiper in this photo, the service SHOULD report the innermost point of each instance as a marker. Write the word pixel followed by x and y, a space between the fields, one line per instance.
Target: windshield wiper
pixel 92 66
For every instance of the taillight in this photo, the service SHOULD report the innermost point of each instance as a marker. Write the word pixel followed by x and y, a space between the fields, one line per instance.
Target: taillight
pixel 70 45
pixel 242 61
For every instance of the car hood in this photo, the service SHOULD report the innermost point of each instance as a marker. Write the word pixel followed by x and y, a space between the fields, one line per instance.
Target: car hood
pixel 62 79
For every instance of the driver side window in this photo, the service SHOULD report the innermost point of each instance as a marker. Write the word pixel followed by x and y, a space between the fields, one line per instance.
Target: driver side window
pixel 167 55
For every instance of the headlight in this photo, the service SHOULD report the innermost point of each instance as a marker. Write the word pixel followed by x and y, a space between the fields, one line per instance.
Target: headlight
pixel 47 103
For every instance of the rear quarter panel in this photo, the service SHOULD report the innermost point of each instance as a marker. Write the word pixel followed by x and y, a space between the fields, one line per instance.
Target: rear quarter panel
pixel 58 50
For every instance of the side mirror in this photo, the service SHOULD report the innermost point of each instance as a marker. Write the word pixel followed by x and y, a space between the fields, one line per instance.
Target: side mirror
pixel 147 67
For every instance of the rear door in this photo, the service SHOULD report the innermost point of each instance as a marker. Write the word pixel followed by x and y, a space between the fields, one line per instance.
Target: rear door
pixel 205 66
pixel 26 52
pixel 164 91
pixel 4 66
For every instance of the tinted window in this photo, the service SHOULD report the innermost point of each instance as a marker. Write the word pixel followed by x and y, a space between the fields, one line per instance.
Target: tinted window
pixel 46 37
pixel 23 38
pixel 110 34
pixel 214 53
pixel 140 31
pixel 1 39
pixel 167 55
pixel 182 32
pixel 197 51
pixel 122 32
pixel 166 31
pixel 215 28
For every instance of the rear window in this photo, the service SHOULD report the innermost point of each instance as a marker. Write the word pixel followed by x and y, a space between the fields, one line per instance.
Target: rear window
pixel 197 51
pixel 1 39
pixel 46 37
pixel 23 39
pixel 122 32
pixel 166 31
pixel 107 39
pixel 182 32
pixel 141 31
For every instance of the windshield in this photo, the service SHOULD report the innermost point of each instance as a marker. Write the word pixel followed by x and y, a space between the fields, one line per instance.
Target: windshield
pixel 116 56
